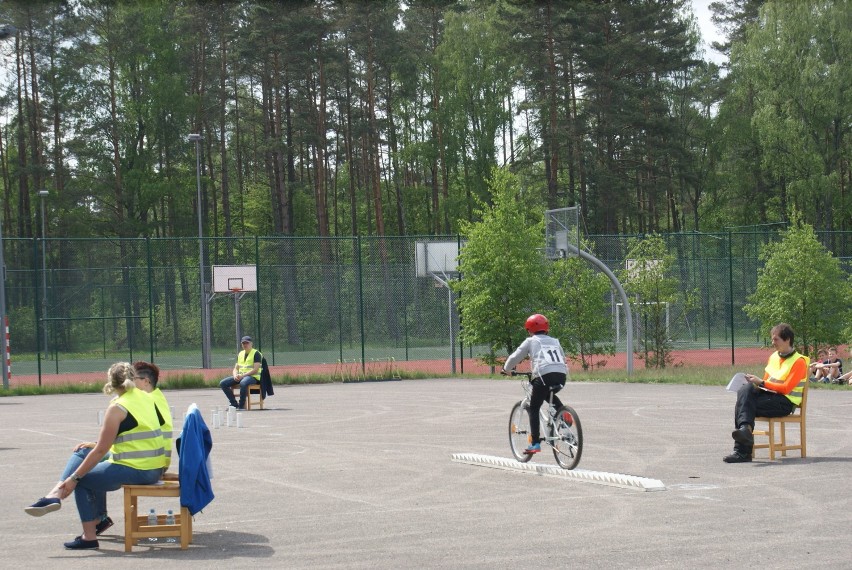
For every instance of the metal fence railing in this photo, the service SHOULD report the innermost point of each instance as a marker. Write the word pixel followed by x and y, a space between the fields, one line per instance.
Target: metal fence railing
pixel 318 300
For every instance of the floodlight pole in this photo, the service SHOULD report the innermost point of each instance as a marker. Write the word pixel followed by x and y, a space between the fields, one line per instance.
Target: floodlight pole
pixel 205 331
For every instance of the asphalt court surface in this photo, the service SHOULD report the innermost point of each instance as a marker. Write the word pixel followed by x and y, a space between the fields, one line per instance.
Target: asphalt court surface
pixel 361 476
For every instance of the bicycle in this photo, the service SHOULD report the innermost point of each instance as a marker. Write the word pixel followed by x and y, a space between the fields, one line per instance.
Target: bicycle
pixel 563 433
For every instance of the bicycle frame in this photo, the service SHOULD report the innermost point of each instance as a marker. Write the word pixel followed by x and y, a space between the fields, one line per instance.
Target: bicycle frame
pixel 546 418
pixel 565 438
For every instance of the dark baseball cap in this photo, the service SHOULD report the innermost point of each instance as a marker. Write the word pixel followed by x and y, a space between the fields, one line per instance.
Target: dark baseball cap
pixel 245 339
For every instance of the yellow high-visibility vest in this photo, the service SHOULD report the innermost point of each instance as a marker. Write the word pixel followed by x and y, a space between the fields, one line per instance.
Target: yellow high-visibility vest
pixel 166 428
pixel 141 447
pixel 779 368
pixel 245 362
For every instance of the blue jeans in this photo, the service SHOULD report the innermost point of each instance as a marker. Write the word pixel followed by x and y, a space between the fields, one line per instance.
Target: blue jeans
pixel 74 462
pixel 91 490
pixel 230 381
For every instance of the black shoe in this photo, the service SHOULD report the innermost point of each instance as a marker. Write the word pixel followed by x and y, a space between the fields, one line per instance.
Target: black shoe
pixel 737 458
pixel 43 506
pixel 743 436
pixel 100 528
pixel 103 526
pixel 80 544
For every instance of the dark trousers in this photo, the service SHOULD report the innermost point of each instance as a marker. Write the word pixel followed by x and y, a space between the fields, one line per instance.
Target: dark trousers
pixel 541 389
pixel 753 402
pixel 230 381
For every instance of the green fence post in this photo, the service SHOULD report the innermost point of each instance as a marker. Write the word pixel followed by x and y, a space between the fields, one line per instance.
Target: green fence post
pixel 731 296
pixel 37 306
pixel 461 342
pixel 257 295
pixel 150 297
pixel 361 303
pixel 338 269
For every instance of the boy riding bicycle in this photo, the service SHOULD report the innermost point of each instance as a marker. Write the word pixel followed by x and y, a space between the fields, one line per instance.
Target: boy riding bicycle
pixel 548 368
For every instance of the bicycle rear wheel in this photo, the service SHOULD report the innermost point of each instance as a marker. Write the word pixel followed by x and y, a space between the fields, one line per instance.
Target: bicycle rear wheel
pixel 519 432
pixel 568 443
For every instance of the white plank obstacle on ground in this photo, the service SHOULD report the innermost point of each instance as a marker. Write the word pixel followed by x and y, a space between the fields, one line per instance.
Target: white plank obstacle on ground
pixel 599 477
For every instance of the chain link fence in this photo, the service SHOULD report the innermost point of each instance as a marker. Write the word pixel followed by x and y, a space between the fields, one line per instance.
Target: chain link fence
pixel 318 300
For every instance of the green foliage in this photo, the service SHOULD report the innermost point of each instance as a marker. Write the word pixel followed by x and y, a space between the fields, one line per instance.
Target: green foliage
pixel 803 285
pixel 504 277
pixel 653 292
pixel 783 118
pixel 580 316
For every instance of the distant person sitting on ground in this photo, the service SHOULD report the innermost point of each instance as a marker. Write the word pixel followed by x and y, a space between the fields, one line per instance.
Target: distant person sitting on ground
pixel 774 395
pixel 131 436
pixel 829 369
pixel 845 379
pixel 815 372
pixel 246 372
pixel 833 366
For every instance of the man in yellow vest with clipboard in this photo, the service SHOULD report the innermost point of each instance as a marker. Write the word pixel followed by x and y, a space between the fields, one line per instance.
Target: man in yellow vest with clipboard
pixel 774 395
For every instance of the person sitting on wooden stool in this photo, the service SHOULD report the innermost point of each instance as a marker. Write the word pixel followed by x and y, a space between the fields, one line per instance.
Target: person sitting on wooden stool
pixel 773 396
pixel 246 372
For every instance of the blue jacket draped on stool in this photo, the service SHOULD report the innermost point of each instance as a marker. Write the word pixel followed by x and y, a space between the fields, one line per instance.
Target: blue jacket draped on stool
pixel 193 447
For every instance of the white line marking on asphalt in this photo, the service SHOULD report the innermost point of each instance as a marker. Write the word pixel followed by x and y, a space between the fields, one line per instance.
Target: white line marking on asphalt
pixel 47 433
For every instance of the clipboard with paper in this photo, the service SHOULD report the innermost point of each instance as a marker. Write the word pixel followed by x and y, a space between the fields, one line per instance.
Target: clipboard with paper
pixel 738 380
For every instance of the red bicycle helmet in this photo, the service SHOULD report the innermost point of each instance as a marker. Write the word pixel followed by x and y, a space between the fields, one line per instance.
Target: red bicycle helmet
pixel 537 323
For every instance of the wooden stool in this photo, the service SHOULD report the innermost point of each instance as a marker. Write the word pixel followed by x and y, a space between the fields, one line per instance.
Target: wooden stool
pixel 778 427
pixel 136 523
pixel 252 389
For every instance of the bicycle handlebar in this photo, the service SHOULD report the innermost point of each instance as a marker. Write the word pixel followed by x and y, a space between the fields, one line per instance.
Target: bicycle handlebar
pixel 516 373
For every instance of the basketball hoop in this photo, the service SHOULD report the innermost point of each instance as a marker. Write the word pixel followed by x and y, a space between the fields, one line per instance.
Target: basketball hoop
pixel 236 290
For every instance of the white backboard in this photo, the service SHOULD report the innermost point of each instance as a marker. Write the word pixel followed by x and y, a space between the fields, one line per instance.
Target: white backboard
pixel 438 257
pixel 226 278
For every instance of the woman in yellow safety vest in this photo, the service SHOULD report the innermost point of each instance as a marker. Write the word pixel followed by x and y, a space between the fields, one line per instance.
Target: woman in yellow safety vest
pixel 774 395
pixel 132 436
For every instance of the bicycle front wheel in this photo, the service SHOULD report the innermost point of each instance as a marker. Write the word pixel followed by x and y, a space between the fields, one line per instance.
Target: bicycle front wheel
pixel 568 440
pixel 519 432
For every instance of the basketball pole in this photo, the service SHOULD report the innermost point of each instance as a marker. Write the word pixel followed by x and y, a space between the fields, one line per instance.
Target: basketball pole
pixel 628 312
pixel 237 293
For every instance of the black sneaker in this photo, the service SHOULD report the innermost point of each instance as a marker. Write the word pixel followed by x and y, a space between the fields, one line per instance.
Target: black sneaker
pixel 737 458
pixel 103 526
pixel 80 544
pixel 43 506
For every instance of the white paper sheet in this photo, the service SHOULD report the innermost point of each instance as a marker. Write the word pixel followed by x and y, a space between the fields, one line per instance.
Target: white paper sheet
pixel 736 382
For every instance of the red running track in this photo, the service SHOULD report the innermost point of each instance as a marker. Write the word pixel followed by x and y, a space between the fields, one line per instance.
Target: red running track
pixel 746 357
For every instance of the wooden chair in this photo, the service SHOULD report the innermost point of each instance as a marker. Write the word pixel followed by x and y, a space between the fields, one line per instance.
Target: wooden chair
pixel 252 389
pixel 136 523
pixel 774 445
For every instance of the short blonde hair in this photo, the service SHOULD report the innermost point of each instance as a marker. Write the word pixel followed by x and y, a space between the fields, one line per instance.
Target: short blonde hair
pixel 120 377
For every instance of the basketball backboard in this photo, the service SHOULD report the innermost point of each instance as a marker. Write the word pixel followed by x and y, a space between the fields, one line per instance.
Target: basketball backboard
pixel 436 257
pixel 231 278
pixel 562 227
